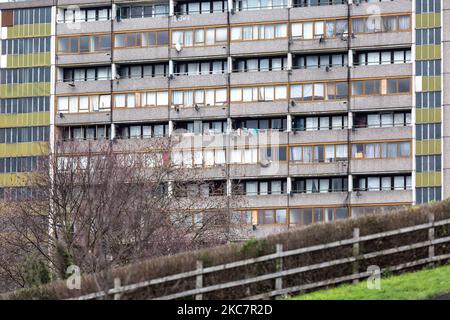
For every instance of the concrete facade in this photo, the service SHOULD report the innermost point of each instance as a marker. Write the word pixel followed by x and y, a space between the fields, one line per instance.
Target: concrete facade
pixel 373 87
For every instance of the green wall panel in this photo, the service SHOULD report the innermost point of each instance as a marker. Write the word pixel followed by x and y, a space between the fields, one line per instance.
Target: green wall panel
pixel 25 90
pixel 28 60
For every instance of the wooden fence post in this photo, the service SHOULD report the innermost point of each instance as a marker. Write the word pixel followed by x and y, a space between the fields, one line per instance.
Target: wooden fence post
pixel 356 253
pixel 431 237
pixel 199 280
pixel 117 285
pixel 279 267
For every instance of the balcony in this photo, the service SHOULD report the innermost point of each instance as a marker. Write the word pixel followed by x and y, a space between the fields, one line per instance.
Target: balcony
pixel 388 40
pixel 213 112
pixel 318 136
pixel 269 200
pixel 317 74
pixel 318 107
pixel 274 169
pixel 191 81
pixel 258 77
pixel 83 27
pixel 388 102
pixel 258 108
pixel 83 59
pixel 368 134
pixel 83 118
pixel 372 166
pixel 259 46
pixel 141 54
pixel 203 51
pixel 80 87
pixel 318 169
pixel 313 199
pixel 381 197
pixel 140 114
pixel 260 15
pixel 134 84
pixel 381 70
pixel 158 22
pixel 209 19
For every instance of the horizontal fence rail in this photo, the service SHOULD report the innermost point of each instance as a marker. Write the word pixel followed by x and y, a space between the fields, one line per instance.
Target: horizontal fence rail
pixel 279 274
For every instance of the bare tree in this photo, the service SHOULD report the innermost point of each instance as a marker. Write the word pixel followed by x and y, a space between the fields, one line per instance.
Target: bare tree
pixel 96 208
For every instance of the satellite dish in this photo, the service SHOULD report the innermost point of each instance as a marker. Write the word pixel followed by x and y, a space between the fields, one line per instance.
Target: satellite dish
pixel 178 47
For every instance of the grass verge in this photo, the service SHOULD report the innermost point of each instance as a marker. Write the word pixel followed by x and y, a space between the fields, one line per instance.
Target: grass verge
pixel 424 284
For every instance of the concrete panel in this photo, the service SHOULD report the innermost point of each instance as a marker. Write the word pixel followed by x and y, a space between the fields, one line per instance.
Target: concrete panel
pixel 389 70
pixel 141 84
pixel 141 114
pixel 367 134
pixel 83 118
pixel 83 27
pixel 335 73
pixel 150 23
pixel 239 78
pixel 278 201
pixel 83 59
pixel 258 108
pixel 83 87
pixel 259 16
pixel 257 171
pixel 199 81
pixel 195 52
pixel 446 189
pixel 373 197
pixel 219 18
pixel 381 166
pixel 397 6
pixel 381 102
pixel 204 112
pixel 62 3
pixel 141 54
pixel 300 46
pixel 315 199
pixel 302 13
pixel 260 46
pixel 304 137
pixel 318 169
pixel 318 107
pixel 383 39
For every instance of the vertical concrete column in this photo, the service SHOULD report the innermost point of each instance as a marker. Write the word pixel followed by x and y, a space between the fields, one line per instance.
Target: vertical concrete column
pixel 113 71
pixel 230 5
pixel 113 11
pixel 350 183
pixel 350 120
pixel 170 188
pixel 113 131
pixel 230 65
pixel 229 187
pixel 290 3
pixel 170 127
pixel 229 125
pixel 171 68
pixel 289 123
pixel 350 57
pixel 171 8
pixel 289 185
pixel 289 61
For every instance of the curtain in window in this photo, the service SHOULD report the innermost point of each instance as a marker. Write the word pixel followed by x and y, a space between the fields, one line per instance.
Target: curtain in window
pixel 324 185
pixel 399 183
pixel 307 154
pixel 307 92
pixel 236 33
pixel 276 187
pixel 280 31
pixel 319 91
pixel 297 30
pixel 386 183
pixel 373 183
pixel 177 97
pixel 296 153
pixel 308 32
pixel 296 91
pixel 312 123
pixel 341 151
pixel 404 22
pixel 329 153
pixel 280 216
pixel 209 157
pixel 312 185
pixel 236 94
pixel 84 103
pixel 251 188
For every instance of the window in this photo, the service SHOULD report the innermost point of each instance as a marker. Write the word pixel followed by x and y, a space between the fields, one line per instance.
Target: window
pixel 259 32
pixel 75 104
pixel 84 44
pixel 381 150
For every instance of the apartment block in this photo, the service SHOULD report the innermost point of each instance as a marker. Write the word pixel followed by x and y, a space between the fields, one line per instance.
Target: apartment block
pixel 25 90
pixel 313 110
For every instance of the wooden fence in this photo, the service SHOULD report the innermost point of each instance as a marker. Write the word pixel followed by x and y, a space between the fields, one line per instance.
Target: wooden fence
pixel 281 273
